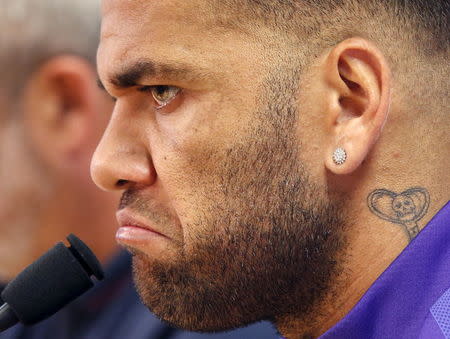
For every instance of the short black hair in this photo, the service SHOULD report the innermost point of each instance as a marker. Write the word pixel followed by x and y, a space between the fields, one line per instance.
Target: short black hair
pixel 426 19
pixel 413 36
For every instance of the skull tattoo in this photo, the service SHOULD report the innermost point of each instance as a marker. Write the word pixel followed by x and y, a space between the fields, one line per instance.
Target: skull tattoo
pixel 404 207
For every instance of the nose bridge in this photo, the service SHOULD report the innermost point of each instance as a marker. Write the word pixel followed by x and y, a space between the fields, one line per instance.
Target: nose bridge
pixel 121 158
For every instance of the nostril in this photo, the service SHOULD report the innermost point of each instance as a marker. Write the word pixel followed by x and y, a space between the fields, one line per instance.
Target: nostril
pixel 121 183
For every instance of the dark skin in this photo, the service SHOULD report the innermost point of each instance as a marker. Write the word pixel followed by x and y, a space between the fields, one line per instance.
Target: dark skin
pixel 235 156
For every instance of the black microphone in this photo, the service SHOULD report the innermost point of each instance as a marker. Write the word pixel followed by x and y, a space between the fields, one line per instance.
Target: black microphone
pixel 58 277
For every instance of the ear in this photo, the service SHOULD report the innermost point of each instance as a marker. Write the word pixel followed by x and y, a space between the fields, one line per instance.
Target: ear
pixel 359 89
pixel 61 108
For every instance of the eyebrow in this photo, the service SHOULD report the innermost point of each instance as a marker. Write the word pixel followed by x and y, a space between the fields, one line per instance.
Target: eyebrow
pixel 131 74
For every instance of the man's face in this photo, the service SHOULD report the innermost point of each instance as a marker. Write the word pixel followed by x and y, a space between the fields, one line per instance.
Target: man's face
pixel 209 160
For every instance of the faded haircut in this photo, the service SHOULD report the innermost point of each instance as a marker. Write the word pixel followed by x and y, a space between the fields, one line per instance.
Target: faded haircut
pixel 423 20
pixel 32 31
pixel 414 36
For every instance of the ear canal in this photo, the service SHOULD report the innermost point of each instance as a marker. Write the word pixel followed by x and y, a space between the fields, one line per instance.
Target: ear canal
pixel 354 101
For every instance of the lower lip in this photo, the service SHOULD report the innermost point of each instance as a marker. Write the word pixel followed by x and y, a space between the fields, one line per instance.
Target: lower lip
pixel 132 235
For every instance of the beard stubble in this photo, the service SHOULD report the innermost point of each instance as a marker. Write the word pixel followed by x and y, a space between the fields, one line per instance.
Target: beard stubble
pixel 271 236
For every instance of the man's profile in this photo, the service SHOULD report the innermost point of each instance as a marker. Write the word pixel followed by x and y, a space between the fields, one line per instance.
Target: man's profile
pixel 52 115
pixel 276 157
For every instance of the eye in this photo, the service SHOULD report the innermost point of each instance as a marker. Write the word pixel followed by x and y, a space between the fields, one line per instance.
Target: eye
pixel 162 94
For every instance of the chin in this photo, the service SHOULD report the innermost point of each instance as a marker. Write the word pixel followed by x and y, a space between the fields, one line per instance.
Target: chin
pixel 183 301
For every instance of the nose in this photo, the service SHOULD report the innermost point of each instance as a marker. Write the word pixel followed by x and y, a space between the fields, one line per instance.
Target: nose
pixel 121 160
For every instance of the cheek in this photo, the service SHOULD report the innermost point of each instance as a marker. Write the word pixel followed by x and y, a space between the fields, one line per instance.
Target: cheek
pixel 193 163
pixel 185 181
pixel 190 153
pixel 188 157
pixel 188 176
pixel 203 126
pixel 191 123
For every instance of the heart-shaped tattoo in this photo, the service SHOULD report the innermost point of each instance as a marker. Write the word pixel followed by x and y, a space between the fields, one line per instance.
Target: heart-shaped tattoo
pixel 405 208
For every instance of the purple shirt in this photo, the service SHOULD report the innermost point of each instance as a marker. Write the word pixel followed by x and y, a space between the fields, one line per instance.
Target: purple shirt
pixel 411 299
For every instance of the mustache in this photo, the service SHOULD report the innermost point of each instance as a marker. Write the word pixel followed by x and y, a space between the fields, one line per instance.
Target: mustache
pixel 129 198
pixel 147 207
pixel 135 200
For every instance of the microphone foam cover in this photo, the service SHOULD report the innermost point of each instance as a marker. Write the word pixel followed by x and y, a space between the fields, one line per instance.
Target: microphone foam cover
pixel 48 284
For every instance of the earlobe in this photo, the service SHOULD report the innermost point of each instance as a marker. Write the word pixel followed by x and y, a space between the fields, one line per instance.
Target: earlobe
pixel 359 79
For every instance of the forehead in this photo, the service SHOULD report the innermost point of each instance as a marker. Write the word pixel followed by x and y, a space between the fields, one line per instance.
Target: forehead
pixel 174 32
pixel 164 30
pixel 126 15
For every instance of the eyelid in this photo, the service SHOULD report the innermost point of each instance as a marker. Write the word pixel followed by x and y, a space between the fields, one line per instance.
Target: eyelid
pixel 148 88
pixel 103 89
pixel 144 88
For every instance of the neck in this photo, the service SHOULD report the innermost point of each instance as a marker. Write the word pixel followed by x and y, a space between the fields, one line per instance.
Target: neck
pixel 375 238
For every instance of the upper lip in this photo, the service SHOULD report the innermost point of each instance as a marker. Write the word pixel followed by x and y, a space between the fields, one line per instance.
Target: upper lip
pixel 125 218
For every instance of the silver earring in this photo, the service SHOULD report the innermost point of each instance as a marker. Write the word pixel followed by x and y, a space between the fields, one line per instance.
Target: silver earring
pixel 339 156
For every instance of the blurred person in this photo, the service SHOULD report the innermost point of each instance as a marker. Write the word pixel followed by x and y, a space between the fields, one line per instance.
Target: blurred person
pixel 291 156
pixel 52 115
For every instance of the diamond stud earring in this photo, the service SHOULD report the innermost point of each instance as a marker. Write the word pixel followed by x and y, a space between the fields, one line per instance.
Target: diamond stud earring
pixel 339 156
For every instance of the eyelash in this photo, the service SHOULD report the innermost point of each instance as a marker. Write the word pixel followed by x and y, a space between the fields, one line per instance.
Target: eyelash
pixel 145 88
